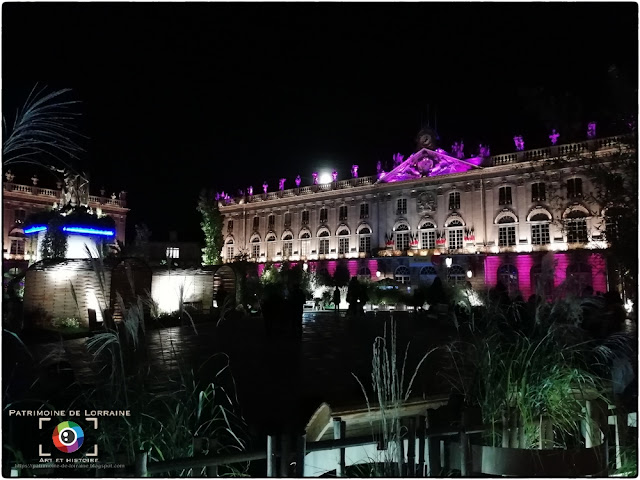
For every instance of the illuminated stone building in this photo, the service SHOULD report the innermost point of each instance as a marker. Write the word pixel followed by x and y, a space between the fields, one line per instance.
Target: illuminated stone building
pixel 483 220
pixel 19 201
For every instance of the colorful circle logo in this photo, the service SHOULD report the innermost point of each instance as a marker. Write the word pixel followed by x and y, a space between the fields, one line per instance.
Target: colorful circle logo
pixel 68 437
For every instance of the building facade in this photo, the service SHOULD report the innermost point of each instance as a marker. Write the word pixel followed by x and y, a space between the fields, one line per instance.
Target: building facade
pixel 484 220
pixel 20 201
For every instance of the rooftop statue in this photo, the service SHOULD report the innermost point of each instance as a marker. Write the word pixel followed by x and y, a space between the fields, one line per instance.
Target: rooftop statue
pixel 354 171
pixel 265 185
pixel 314 175
pixel 298 181
pixel 334 175
pixel 281 183
pixel 76 187
pixel 591 130
pixel 554 137
pixel 519 141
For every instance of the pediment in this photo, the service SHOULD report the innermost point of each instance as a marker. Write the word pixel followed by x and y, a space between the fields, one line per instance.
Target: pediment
pixel 429 163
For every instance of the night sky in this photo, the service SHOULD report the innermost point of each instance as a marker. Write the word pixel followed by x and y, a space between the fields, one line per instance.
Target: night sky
pixel 177 97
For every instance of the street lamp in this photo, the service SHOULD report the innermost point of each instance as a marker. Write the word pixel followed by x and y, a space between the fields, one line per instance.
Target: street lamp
pixel 469 274
pixel 378 274
pixel 448 261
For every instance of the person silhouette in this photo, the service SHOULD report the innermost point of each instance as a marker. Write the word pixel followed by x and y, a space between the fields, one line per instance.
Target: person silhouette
pixel 336 300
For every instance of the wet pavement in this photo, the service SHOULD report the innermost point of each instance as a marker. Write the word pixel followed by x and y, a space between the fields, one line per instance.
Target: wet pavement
pixel 275 377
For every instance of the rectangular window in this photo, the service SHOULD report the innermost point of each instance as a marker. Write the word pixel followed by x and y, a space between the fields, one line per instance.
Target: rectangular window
pixel 577 231
pixel 454 201
pixel 538 193
pixel 305 217
pixel 173 252
pixel 20 215
pixel 272 222
pixel 229 253
pixel 255 251
pixel 287 248
pixel 504 196
pixel 343 213
pixel 364 210
pixel 365 243
pixel 402 240
pixel 287 219
pixel 256 223
pixel 323 215
pixel 574 187
pixel 343 245
pixel 456 236
pixel 540 234
pixel 428 239
pixel 304 247
pixel 230 226
pixel 17 247
pixel 402 207
pixel 323 246
pixel 506 236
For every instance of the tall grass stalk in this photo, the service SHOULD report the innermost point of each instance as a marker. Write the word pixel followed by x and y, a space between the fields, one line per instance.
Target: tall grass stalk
pixel 43 126
pixel 391 391
pixel 521 363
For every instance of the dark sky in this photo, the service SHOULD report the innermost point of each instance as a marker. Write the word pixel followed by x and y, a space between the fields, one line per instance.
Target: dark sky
pixel 176 97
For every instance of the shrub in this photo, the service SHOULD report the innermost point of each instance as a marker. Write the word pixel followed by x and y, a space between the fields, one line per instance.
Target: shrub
pixel 66 322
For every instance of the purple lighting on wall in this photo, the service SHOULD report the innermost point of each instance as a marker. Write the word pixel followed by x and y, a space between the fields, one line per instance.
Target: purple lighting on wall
pixel 554 137
pixel 281 183
pixel 354 171
pixel 397 159
pixel 334 175
pixel 298 181
pixel 519 141
pixel 591 130
pixel 265 185
pixel 314 175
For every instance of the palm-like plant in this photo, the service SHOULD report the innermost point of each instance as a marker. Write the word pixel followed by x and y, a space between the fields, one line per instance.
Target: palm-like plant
pixel 43 127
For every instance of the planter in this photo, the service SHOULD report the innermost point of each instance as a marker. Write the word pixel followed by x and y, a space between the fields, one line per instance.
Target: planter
pixel 519 462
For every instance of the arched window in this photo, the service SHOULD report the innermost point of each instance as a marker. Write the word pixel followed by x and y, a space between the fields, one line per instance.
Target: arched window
pixel 428 275
pixel 402 236
pixel 576 226
pixel 540 229
pixel 323 242
pixel 364 238
pixel 507 234
pixel 287 245
pixel 230 246
pixel 456 275
pixel 402 274
pixel 508 277
pixel 542 282
pixel 427 235
pixel 456 234
pixel 271 246
pixel 364 273
pixel 305 243
pixel 255 247
pixel 343 241
pixel 579 277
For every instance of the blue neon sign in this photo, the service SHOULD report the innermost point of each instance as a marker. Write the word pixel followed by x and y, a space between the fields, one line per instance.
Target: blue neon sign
pixel 35 228
pixel 90 231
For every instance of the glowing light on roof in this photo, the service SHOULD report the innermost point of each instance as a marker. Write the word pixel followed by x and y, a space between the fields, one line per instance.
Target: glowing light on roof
pixel 90 231
pixel 35 228
pixel 325 177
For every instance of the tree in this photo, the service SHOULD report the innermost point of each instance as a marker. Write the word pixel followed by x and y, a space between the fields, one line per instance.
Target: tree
pixel 211 226
pixel 43 127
